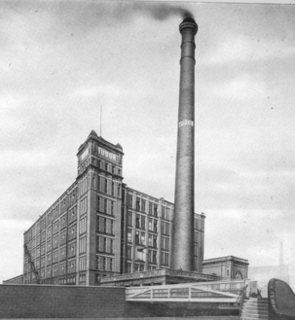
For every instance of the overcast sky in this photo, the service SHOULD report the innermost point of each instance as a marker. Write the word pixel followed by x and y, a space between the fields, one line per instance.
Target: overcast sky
pixel 61 61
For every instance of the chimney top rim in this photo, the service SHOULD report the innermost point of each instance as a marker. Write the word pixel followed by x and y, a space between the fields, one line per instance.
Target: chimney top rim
pixel 188 23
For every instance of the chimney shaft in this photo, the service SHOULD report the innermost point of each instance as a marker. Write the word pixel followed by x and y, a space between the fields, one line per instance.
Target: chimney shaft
pixel 183 225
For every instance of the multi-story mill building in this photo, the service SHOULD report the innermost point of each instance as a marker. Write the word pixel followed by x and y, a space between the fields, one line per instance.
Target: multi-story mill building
pixel 100 227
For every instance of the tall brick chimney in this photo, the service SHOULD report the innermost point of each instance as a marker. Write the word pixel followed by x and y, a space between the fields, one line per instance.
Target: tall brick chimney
pixel 183 225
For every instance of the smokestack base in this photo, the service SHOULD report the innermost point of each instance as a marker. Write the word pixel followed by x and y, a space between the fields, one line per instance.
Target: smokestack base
pixel 188 23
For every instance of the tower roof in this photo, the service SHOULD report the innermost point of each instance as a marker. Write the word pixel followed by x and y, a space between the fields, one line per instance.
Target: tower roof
pixel 93 134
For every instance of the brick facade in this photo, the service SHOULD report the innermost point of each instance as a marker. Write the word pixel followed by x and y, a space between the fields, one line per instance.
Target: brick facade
pixel 99 227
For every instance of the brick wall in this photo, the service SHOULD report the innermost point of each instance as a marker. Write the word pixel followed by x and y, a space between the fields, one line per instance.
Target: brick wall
pixel 41 301
pixel 45 301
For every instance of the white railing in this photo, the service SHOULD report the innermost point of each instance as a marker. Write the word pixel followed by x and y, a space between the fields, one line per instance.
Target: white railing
pixel 217 291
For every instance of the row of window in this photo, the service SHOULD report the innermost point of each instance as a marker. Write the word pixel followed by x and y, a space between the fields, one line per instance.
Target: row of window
pixel 140 238
pixel 83 186
pixel 105 225
pixel 140 223
pixel 147 206
pixel 106 206
pixel 105 245
pixel 105 263
pixel 83 206
pixel 65 203
pixel 108 186
pixel 68 280
pixel 109 167
pixel 58 269
pixel 151 255
pixel 58 255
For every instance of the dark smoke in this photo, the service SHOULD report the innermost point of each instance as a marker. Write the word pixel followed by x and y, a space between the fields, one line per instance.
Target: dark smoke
pixel 126 11
pixel 162 11
pixel 85 15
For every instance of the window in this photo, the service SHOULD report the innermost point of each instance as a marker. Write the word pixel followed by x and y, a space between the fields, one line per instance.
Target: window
pixel 42 262
pixel 165 243
pixel 98 182
pixel 196 236
pixel 139 267
pixel 37 263
pixel 98 204
pixel 112 227
pixel 43 235
pixel 82 279
pixel 141 255
pixel 137 204
pixel 102 263
pixel 105 245
pixel 63 237
pixel 140 238
pixel 142 218
pixel 196 224
pixel 143 203
pixel 55 256
pixel 48 258
pixel 63 221
pixel 129 218
pixel 155 210
pixel 49 232
pixel 153 224
pixel 72 215
pixel 129 251
pixel 72 266
pixel 105 206
pixel 82 245
pixel 55 242
pixel 129 235
pixel 140 221
pixel 48 272
pixel 83 225
pixel 165 228
pixel 72 249
pixel 106 185
pixel 152 240
pixel 113 188
pixel 62 268
pixel 55 226
pixel 166 213
pixel 150 208
pixel 82 263
pixel 43 248
pixel 128 267
pixel 129 200
pixel 165 258
pixel 72 232
pixel 83 206
pixel 152 256
pixel 62 253
pixel 38 252
pixel 105 225
pixel 111 263
pixel 55 270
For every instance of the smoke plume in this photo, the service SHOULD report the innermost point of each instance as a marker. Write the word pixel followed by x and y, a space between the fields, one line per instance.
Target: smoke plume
pixel 162 11
pixel 114 12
